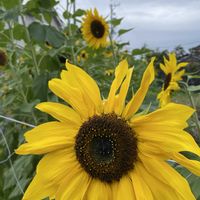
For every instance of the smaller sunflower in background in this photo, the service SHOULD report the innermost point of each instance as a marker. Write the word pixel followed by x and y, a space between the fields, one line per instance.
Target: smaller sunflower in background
pixel 173 75
pixel 95 30
pixel 48 45
pixel 109 72
pixel 3 58
pixel 108 54
pixel 82 56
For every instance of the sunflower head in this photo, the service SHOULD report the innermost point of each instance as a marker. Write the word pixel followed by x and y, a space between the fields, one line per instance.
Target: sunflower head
pixel 109 72
pixel 95 29
pixel 173 74
pixel 82 56
pixel 101 149
pixel 108 54
pixel 48 45
pixel 3 58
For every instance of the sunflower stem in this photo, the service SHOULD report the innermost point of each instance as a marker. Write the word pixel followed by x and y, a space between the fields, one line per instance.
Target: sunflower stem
pixel 28 38
pixel 31 46
pixel 113 50
pixel 10 161
pixel 70 33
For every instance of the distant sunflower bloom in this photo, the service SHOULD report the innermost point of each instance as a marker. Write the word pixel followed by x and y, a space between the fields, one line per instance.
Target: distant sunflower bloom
pixel 82 56
pixel 109 72
pixel 95 29
pixel 173 75
pixel 48 45
pixel 108 54
pixel 100 150
pixel 3 58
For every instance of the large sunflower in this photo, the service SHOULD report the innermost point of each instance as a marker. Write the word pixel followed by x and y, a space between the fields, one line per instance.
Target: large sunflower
pixel 173 75
pixel 95 29
pixel 100 150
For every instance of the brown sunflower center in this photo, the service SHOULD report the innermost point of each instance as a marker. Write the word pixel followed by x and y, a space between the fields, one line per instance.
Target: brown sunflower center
pixel 167 81
pixel 83 55
pixel 97 29
pixel 3 58
pixel 106 147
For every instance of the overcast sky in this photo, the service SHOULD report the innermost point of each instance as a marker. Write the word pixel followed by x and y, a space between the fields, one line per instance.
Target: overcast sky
pixel 160 24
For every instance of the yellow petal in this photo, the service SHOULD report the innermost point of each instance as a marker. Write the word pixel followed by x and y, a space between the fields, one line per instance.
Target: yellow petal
pixel 166 174
pixel 172 115
pixel 69 77
pixel 178 75
pixel 120 101
pixel 98 190
pixel 192 165
pixel 152 150
pixel 182 64
pixel 71 95
pixel 50 171
pixel 173 62
pixel 136 101
pixel 175 141
pixel 164 69
pixel 123 189
pixel 120 72
pixel 57 164
pixel 87 84
pixel 38 190
pixel 159 189
pixel 142 190
pixel 164 97
pixel 61 112
pixel 74 185
pixel 167 65
pixel 47 137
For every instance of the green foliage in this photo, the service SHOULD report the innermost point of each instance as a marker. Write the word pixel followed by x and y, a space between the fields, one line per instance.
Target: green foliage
pixel 123 31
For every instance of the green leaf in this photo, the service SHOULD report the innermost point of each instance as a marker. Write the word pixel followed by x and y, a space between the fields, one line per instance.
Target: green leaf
pixel 195 186
pixel 49 63
pixel 123 31
pixel 67 14
pixel 194 88
pixel 190 155
pixel 2 25
pixel 47 3
pixel 141 51
pixel 19 32
pixel 2 13
pixel 12 14
pixel 42 33
pixel 79 13
pixel 74 28
pixel 54 37
pixel 40 87
pixel 8 4
pixel 28 107
pixel 121 45
pixel 116 21
pixel 30 6
pixel 47 17
pixel 37 32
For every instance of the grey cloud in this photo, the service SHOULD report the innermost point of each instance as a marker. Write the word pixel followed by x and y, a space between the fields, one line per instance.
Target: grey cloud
pixel 158 23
